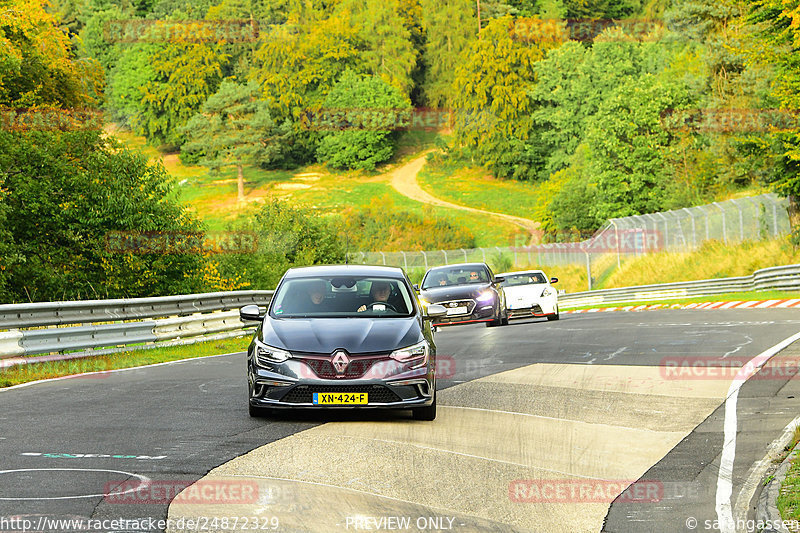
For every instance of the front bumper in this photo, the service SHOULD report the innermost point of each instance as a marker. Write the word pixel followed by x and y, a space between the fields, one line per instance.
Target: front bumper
pixel 532 308
pixel 480 313
pixel 403 389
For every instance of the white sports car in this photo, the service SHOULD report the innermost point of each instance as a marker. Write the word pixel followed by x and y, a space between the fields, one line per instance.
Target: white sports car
pixel 530 294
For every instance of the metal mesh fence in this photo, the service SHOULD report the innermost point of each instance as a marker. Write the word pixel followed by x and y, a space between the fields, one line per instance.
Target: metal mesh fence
pixel 680 230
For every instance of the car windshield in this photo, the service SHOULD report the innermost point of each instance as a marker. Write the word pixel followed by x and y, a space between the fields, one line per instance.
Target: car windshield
pixel 342 297
pixel 524 279
pixel 444 277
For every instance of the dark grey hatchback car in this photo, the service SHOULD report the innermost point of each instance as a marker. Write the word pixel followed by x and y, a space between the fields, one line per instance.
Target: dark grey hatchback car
pixel 347 336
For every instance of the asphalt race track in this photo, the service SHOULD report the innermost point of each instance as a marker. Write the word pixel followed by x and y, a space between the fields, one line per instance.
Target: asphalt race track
pixel 541 426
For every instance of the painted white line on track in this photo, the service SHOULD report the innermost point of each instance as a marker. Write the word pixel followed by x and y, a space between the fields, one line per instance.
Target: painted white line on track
pixel 725 476
pixel 145 482
pixel 72 376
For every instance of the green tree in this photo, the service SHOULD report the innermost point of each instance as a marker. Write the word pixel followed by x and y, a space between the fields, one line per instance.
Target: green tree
pixel 373 109
pixel 389 52
pixel 628 145
pixel 450 27
pixel 185 75
pixel 66 196
pixel 493 107
pixel 775 30
pixel 287 236
pixel 37 65
pixel 234 127
pixel 298 64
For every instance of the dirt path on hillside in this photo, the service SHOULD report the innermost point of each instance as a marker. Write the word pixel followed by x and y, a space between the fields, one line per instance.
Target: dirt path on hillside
pixel 404 180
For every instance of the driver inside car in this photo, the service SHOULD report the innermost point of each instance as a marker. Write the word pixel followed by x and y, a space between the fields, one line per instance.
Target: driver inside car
pixel 380 292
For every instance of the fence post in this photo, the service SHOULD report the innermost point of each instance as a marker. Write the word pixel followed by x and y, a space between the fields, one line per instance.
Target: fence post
pixel 694 230
pixel 616 234
pixel 588 269
pixel 741 219
pixel 445 256
pixel 724 229
pixel 405 262
pixel 425 257
pixel 483 252
pixel 465 254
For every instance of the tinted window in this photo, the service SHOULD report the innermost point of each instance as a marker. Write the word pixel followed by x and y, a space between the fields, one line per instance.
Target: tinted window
pixel 342 296
pixel 443 277
pixel 524 279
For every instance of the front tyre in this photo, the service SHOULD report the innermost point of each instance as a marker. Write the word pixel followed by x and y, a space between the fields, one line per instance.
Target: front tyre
pixel 425 413
pixel 555 316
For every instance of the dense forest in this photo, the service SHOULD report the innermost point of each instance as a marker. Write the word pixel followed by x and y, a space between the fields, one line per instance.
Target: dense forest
pixel 616 107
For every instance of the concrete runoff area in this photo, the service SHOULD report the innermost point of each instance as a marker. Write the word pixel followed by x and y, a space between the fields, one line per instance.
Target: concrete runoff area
pixel 474 463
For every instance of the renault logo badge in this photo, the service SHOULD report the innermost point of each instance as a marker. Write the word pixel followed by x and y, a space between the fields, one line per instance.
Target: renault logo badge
pixel 340 362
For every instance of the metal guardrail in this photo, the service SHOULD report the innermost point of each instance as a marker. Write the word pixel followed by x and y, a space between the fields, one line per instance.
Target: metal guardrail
pixel 785 278
pixel 88 311
pixel 48 327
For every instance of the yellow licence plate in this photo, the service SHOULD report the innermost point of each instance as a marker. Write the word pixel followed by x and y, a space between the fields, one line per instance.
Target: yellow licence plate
pixel 340 398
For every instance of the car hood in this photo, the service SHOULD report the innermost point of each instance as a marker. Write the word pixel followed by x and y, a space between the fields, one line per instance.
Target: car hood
pixel 354 335
pixel 453 292
pixel 531 289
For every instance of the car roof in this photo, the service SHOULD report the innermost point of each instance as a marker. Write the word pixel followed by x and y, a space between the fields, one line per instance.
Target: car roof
pixel 460 265
pixel 516 272
pixel 345 270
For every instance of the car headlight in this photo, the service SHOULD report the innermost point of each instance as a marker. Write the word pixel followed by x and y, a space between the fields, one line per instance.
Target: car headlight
pixel 485 296
pixel 547 292
pixel 267 354
pixel 416 354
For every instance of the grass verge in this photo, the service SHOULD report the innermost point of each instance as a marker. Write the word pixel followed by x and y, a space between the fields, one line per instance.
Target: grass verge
pixel 788 501
pixel 19 374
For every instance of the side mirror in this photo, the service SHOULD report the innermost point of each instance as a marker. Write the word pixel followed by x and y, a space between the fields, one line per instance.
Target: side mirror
pixel 435 311
pixel 499 279
pixel 250 313
pixel 553 280
pixel 416 287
